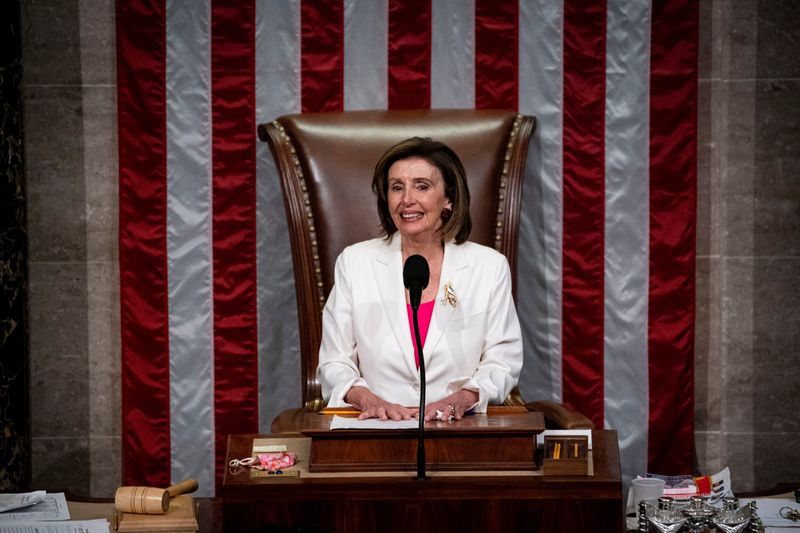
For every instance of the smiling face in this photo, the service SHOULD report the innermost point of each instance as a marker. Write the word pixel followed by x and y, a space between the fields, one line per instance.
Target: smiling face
pixel 416 197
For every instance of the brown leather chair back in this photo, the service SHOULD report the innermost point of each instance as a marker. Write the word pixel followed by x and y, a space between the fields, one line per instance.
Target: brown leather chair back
pixel 326 162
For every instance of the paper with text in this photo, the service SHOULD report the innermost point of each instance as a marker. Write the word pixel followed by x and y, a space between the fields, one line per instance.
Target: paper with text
pixel 52 507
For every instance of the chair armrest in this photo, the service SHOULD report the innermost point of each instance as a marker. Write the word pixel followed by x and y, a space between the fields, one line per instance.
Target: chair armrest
pixel 560 416
pixel 289 421
pixel 514 398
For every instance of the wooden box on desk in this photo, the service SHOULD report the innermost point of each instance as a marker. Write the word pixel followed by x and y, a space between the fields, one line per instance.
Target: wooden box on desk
pixel 179 518
pixel 566 455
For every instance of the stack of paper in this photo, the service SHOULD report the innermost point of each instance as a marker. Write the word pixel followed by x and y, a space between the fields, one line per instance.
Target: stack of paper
pixel 35 512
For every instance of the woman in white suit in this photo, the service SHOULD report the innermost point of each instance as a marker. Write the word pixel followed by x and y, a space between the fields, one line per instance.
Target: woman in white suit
pixel 470 332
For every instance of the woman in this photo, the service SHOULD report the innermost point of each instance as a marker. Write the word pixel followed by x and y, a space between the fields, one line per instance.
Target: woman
pixel 470 332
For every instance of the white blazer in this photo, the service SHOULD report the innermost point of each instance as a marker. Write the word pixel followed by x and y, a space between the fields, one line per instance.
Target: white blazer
pixel 366 339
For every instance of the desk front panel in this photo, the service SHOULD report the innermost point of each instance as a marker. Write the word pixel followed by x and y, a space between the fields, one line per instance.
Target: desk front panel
pixel 447 501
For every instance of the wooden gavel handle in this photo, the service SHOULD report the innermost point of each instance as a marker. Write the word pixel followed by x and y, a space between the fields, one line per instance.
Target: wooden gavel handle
pixel 184 487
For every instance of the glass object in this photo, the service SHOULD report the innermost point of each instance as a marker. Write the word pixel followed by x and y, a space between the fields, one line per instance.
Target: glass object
pixel 731 519
pixel 665 518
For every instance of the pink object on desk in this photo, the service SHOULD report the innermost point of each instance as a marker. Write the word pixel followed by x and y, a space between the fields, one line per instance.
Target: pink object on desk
pixel 424 314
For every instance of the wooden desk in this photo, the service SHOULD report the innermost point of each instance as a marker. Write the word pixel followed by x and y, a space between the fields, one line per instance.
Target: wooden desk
pixel 460 501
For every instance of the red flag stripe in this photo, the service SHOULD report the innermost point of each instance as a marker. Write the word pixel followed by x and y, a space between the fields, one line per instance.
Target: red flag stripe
pixel 496 55
pixel 584 206
pixel 673 196
pixel 409 55
pixel 141 67
pixel 234 230
pixel 322 56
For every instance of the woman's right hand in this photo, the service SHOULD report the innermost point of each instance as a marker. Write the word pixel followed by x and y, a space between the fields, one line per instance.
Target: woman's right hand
pixel 373 406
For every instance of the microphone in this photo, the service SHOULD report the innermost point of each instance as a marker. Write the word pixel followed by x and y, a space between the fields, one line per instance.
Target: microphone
pixel 415 277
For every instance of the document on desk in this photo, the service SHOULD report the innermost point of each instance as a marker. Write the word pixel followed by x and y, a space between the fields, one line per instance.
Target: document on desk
pixel 769 510
pixel 52 506
pixel 9 502
pixel 72 526
pixel 342 422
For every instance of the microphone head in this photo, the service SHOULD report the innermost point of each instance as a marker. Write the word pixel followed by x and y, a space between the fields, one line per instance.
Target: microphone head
pixel 416 273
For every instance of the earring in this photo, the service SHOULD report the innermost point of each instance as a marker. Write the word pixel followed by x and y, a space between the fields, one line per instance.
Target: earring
pixel 447 212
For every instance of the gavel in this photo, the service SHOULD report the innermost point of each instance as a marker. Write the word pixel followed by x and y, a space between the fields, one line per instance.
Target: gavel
pixel 150 500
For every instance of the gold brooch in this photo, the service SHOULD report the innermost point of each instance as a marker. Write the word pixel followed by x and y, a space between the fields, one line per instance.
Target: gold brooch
pixel 449 295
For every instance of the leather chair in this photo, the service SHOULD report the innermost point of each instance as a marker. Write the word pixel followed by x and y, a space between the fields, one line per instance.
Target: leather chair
pixel 326 162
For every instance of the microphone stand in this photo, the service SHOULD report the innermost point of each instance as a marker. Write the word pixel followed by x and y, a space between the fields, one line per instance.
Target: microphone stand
pixel 421 415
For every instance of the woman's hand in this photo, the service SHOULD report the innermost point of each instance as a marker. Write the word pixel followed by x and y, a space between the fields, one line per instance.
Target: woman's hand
pixel 454 405
pixel 372 406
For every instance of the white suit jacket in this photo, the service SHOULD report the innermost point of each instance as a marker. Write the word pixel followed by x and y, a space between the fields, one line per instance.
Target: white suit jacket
pixel 366 339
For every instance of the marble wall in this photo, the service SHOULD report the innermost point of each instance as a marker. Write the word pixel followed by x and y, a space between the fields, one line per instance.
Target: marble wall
pixel 14 413
pixel 70 134
pixel 748 242
pixel 748 323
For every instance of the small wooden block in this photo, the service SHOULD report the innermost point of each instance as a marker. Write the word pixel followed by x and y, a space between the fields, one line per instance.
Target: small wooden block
pixel 180 517
pixel 566 455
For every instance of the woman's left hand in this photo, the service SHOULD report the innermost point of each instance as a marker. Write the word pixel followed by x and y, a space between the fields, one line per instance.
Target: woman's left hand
pixel 453 406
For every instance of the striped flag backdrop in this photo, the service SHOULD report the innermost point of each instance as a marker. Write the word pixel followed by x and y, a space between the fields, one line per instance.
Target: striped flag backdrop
pixel 606 274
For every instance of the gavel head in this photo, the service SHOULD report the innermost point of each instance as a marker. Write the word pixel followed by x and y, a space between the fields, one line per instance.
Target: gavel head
pixel 142 500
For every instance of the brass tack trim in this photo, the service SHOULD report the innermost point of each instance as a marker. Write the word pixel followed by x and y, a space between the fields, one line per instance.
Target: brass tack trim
pixel 307 206
pixel 501 193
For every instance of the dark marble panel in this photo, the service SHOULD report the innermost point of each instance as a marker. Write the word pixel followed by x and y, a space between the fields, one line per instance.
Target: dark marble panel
pixel 14 406
pixel 776 459
pixel 62 464
pixel 777 186
pixel 59 387
pixel 778 39
pixel 51 41
pixel 776 341
pixel 54 137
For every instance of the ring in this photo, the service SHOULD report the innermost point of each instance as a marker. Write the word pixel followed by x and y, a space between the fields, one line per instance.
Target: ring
pixel 439 415
pixel 452 410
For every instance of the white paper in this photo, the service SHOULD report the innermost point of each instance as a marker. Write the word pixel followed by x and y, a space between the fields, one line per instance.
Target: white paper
pixel 341 422
pixel 53 507
pixel 720 485
pixel 769 511
pixel 77 526
pixel 16 501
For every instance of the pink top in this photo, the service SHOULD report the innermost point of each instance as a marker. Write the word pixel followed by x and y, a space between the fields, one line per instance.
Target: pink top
pixel 424 314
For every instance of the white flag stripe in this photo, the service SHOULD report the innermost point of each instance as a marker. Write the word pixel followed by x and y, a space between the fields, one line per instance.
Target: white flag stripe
pixel 626 229
pixel 453 54
pixel 366 37
pixel 189 242
pixel 277 93
pixel 277 59
pixel 539 262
